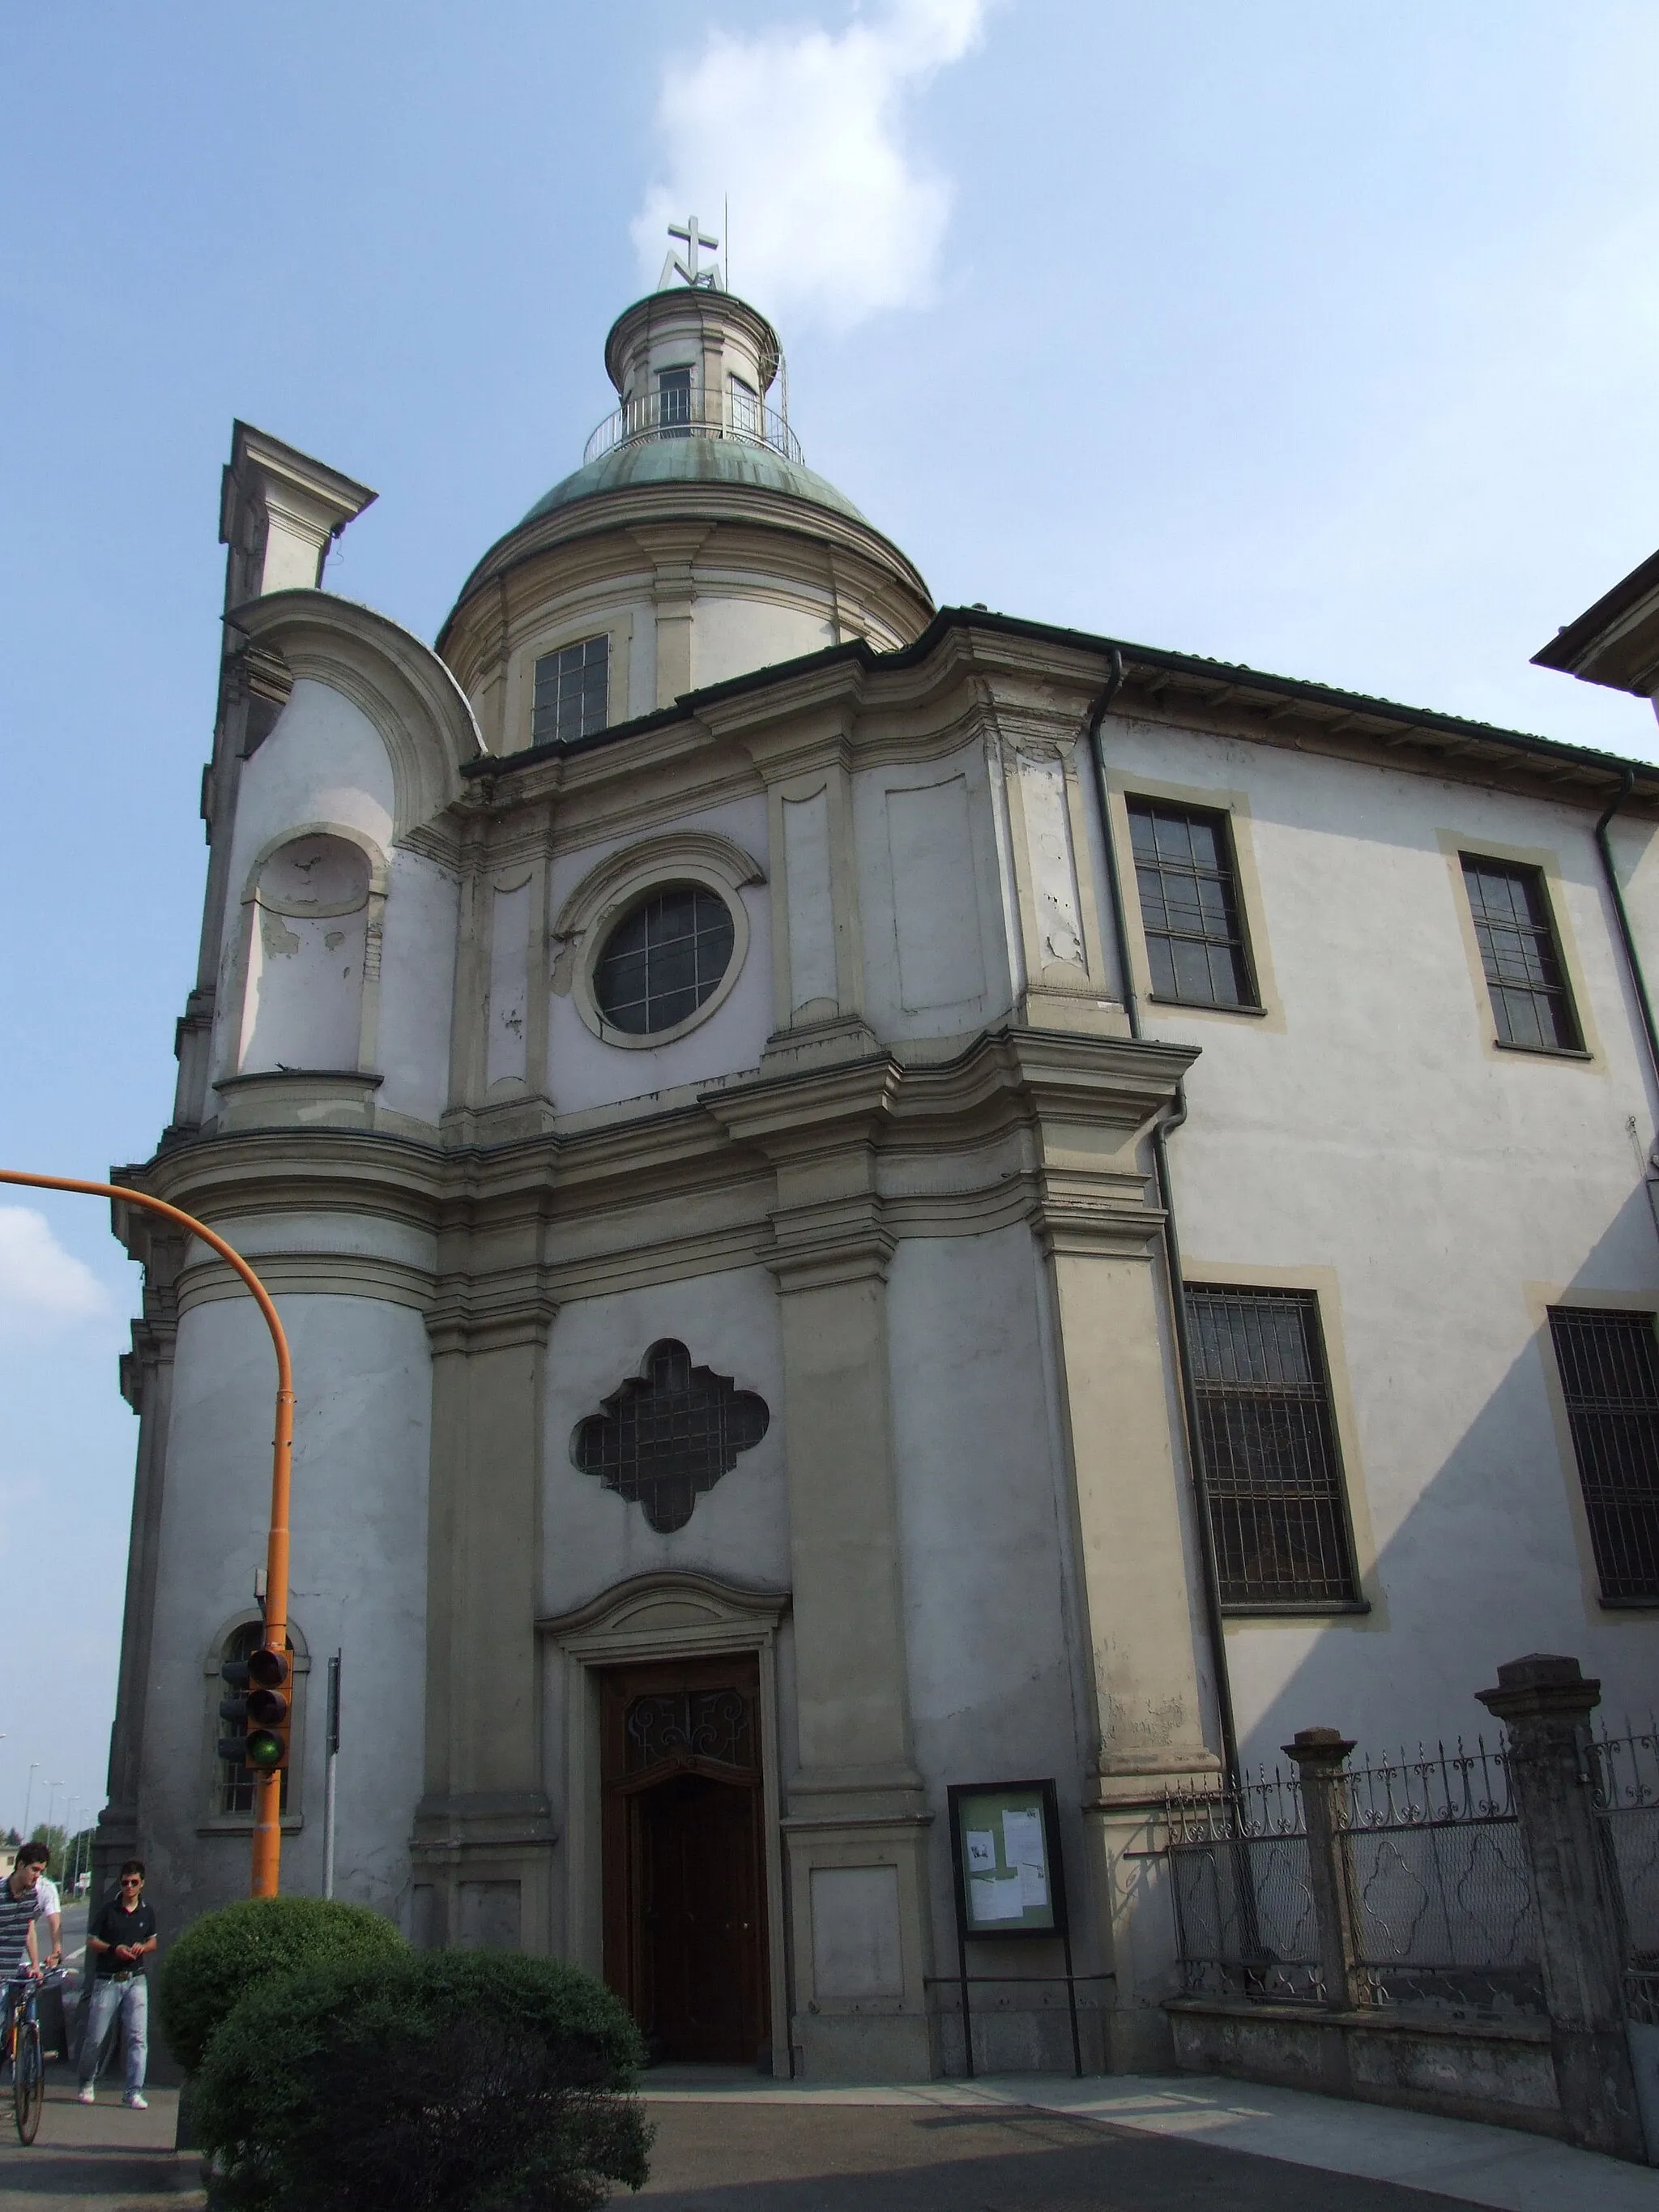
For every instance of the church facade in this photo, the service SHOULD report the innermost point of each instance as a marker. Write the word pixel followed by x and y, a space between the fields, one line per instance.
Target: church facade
pixel 867 1199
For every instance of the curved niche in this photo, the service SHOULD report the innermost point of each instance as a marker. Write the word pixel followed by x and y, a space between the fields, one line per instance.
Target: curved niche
pixel 307 952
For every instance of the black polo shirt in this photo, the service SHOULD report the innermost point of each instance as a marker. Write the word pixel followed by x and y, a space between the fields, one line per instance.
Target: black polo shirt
pixel 115 1925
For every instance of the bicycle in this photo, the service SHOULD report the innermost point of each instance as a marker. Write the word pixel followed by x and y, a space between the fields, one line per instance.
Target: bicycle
pixel 23 2048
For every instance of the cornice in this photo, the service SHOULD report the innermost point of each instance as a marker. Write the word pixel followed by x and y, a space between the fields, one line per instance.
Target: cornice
pixel 630 507
pixel 400 684
pixel 781 1170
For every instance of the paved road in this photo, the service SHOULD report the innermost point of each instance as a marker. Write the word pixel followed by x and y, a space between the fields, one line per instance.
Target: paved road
pixel 716 2156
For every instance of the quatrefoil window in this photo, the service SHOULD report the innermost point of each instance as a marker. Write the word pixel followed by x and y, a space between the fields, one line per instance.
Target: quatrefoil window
pixel 666 1436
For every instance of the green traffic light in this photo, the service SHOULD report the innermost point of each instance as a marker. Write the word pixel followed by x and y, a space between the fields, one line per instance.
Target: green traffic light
pixel 263 1751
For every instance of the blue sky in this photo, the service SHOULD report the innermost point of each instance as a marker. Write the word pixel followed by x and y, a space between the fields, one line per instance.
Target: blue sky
pixel 1323 338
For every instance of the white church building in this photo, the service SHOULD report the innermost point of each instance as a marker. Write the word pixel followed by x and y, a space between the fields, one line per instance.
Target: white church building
pixel 868 1198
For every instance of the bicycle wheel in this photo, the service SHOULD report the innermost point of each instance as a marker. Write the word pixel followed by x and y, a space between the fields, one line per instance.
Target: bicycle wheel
pixel 28 2081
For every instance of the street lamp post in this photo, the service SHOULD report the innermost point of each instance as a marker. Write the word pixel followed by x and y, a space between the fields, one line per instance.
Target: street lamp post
pixel 28 1797
pixel 267 1799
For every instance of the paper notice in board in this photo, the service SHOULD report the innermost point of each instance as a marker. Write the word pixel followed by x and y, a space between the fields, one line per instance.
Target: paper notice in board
pixel 1033 1888
pixel 981 1851
pixel 1022 1838
pixel 996 1898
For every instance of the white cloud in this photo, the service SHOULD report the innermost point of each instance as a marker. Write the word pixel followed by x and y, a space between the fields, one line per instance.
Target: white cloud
pixel 40 1283
pixel 832 214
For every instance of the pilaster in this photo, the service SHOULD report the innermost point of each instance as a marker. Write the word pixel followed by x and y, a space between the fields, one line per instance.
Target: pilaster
pixel 857 1820
pixel 672 548
pixel 484 1831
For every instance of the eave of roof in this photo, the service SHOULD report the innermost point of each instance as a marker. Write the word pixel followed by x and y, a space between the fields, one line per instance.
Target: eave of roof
pixel 1616 641
pixel 1216 681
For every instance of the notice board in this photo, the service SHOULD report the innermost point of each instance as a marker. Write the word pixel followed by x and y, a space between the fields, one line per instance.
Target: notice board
pixel 1004 1850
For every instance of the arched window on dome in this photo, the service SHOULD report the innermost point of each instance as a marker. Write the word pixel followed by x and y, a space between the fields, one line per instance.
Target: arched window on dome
pixel 309 942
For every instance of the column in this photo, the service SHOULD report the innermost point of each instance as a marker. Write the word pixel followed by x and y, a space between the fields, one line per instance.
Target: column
pixel 1545 1702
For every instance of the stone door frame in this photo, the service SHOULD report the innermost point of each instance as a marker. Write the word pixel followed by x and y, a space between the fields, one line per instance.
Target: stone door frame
pixel 663 1618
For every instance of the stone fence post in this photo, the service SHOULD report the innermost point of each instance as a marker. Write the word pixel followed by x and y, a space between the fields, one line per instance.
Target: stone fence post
pixel 1543 1702
pixel 1319 1753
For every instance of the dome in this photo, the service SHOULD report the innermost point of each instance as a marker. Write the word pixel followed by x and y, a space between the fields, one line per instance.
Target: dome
pixel 697 460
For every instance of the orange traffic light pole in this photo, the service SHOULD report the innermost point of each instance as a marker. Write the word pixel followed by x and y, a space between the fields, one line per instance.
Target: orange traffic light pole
pixel 268 1788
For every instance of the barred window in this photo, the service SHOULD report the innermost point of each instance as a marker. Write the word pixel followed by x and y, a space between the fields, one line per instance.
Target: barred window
pixel 1189 906
pixel 1610 1379
pixel 1273 1473
pixel 663 1438
pixel 1530 1002
pixel 573 692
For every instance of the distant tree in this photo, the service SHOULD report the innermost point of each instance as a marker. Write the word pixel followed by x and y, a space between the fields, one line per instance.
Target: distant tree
pixel 13 1838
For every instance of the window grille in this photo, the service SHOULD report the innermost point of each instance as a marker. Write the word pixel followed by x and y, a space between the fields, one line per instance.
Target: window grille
pixel 674 402
pixel 573 692
pixel 237 1783
pixel 663 960
pixel 678 1725
pixel 1530 1002
pixel 1610 1379
pixel 669 1435
pixel 1273 1473
pixel 1189 907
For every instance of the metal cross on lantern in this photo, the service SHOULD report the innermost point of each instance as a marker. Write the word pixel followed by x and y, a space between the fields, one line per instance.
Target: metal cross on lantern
pixel 693 237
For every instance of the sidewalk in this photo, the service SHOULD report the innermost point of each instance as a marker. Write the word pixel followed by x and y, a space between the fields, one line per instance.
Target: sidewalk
pixel 729 2141
pixel 1432 2158
pixel 98 2154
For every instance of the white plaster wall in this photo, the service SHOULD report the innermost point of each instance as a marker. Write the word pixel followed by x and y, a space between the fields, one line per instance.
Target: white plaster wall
pixel 583 1072
pixel 990 1625
pixel 936 959
pixel 1376 1134
pixel 740 1530
pixel 323 764
pixel 417 986
pixel 361 1438
pixel 731 634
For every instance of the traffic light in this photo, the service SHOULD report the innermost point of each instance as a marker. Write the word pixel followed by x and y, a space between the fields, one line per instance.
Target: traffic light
pixel 261 1700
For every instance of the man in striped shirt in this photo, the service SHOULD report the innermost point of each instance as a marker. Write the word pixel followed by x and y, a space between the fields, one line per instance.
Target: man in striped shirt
pixel 19 1908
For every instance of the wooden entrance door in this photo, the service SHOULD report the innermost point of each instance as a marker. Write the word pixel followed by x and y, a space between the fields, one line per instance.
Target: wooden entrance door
pixel 684 1876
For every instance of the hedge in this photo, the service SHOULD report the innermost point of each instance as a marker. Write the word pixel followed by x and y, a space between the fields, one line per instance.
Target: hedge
pixel 224 1955
pixel 437 2080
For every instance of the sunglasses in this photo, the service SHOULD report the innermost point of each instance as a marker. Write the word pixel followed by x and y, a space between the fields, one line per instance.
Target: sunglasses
pixel 132 1882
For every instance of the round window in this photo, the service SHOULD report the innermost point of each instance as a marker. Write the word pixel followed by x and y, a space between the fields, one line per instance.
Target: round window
pixel 663 959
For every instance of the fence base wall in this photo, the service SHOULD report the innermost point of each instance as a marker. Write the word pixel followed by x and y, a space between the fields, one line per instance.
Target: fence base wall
pixel 1497 2071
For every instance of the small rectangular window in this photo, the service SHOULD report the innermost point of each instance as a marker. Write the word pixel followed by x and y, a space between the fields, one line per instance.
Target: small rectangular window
pixel 745 408
pixel 573 692
pixel 1610 1379
pixel 1530 1002
pixel 674 402
pixel 1273 1473
pixel 1189 907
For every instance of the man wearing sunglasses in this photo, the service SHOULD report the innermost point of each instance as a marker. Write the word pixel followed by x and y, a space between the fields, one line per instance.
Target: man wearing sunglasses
pixel 118 1942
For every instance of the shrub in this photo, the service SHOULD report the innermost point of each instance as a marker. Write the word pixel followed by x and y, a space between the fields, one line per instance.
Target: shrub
pixel 224 1955
pixel 438 2081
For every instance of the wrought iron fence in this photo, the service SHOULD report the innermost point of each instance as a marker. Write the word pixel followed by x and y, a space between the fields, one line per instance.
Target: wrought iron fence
pixel 1624 1777
pixel 684 414
pixel 1243 1899
pixel 1439 1891
pixel 1431 1861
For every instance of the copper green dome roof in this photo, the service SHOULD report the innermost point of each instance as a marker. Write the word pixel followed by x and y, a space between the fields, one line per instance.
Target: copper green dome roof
pixel 663 460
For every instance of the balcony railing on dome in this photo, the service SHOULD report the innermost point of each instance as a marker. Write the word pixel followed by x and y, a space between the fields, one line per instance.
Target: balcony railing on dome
pixel 681 413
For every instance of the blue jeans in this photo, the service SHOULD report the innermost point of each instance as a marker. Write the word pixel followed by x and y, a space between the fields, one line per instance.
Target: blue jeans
pixel 131 2000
